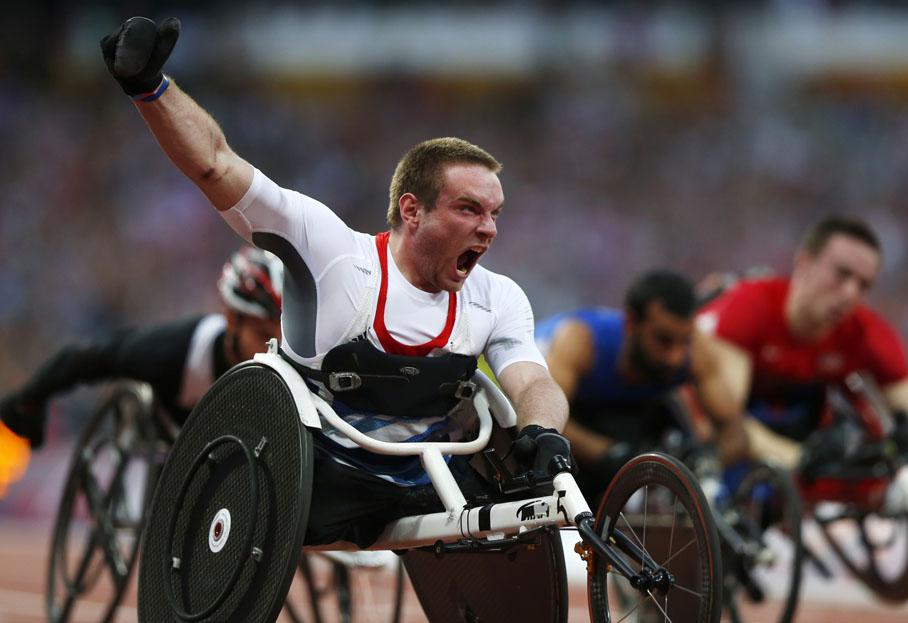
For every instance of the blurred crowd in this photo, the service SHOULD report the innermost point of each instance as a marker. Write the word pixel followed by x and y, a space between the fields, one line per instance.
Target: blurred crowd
pixel 606 174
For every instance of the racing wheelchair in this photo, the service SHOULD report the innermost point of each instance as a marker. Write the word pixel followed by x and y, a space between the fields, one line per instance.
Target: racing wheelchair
pixel 113 472
pixel 847 499
pixel 228 519
pixel 96 534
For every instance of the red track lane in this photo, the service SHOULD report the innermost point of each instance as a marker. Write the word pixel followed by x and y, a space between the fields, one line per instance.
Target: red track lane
pixel 23 554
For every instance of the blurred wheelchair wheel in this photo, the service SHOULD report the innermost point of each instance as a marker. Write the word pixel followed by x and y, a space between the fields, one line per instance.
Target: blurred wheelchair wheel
pixel 872 546
pixel 764 582
pixel 347 587
pixel 99 521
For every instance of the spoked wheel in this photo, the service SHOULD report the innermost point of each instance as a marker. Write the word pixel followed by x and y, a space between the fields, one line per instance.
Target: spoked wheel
pixel 873 547
pixel 763 581
pixel 347 587
pixel 656 504
pixel 99 521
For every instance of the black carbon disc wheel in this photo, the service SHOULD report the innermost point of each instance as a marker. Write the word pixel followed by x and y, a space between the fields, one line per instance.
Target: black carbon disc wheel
pixel 655 501
pixel 228 519
pixel 98 525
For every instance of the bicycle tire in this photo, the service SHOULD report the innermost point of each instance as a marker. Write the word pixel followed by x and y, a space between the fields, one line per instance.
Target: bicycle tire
pixel 667 487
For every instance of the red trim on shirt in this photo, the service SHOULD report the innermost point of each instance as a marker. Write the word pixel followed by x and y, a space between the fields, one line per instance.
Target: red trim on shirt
pixel 388 342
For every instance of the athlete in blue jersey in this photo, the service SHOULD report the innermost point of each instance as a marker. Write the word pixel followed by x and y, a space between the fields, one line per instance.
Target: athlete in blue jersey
pixel 620 367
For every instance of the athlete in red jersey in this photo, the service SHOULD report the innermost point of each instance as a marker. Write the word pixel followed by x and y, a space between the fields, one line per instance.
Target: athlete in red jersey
pixel 796 335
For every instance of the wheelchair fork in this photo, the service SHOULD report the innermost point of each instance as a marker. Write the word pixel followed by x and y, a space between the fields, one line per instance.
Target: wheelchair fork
pixel 650 576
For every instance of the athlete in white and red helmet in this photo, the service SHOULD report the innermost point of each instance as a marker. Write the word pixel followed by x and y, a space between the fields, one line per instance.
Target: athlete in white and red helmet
pixel 251 289
pixel 180 360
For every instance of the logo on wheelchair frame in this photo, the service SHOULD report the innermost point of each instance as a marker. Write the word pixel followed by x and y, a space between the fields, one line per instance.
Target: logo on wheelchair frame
pixel 537 509
pixel 219 530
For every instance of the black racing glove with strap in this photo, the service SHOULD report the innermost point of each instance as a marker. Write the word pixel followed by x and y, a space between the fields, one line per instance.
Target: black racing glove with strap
pixel 822 448
pixel 899 434
pixel 135 53
pixel 546 449
pixel 25 417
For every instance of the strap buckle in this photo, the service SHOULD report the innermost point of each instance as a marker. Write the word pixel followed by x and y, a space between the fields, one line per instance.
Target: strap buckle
pixel 465 390
pixel 344 381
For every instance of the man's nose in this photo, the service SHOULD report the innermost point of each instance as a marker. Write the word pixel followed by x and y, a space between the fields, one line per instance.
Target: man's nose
pixel 487 228
pixel 676 355
pixel 851 290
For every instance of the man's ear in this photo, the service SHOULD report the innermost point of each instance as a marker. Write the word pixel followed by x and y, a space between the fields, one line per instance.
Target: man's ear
pixel 410 209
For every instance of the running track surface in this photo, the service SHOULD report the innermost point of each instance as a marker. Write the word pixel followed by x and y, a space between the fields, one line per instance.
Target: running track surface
pixel 23 554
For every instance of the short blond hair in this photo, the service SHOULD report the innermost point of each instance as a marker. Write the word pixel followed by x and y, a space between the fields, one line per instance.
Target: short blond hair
pixel 419 171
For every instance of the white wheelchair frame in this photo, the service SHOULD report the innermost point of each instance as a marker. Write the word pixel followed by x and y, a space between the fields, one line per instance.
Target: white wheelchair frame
pixel 458 521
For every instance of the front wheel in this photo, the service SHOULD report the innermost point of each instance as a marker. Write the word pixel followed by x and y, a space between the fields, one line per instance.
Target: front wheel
pixel 655 501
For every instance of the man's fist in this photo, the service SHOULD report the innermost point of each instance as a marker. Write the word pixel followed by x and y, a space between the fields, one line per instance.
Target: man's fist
pixel 135 53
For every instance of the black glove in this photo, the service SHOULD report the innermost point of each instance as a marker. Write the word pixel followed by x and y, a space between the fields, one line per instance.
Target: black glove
pixel 137 50
pixel 540 446
pixel 899 434
pixel 27 418
pixel 609 462
pixel 824 447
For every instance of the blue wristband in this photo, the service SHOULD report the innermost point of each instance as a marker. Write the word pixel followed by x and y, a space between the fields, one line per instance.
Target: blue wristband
pixel 153 95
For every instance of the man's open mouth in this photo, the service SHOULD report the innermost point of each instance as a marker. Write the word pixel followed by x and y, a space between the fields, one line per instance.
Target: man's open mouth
pixel 467 260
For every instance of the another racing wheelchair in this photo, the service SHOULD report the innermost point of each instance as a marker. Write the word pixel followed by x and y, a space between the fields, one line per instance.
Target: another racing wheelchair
pixel 847 499
pixel 115 466
pixel 757 511
pixel 99 521
pixel 229 516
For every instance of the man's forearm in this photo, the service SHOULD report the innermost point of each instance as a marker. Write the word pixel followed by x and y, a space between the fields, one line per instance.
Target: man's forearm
pixel 732 441
pixel 74 364
pixel 195 143
pixel 542 403
pixel 767 445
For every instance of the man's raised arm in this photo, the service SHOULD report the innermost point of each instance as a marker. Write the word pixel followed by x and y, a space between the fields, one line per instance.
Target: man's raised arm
pixel 135 54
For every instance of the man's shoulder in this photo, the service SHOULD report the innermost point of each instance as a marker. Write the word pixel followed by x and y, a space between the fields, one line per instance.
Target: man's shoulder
pixel 758 288
pixel 754 295
pixel 746 312
pixel 865 320
pixel 599 320
pixel 485 283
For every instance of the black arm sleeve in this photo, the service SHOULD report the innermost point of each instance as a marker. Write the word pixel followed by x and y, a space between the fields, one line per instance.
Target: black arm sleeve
pixel 156 355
